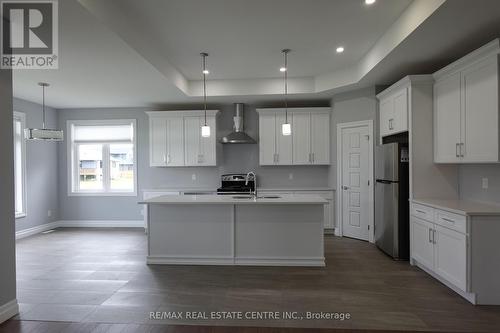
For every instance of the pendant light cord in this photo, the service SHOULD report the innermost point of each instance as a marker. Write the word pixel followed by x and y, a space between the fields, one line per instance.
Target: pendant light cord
pixel 285 52
pixel 204 55
pixel 43 106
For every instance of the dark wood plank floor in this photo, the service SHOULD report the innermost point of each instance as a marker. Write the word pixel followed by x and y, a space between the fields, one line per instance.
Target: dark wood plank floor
pixel 97 280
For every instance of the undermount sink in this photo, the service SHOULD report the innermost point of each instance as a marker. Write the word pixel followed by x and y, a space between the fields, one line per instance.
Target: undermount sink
pixel 243 196
pixel 270 197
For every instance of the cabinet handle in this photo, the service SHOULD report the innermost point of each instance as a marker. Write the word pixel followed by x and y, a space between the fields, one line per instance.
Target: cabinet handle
pixel 312 157
pixel 164 158
pixel 447 220
pixel 457 154
pixel 277 158
pixel 419 211
pixel 168 158
pixel 434 236
pixel 430 236
pixel 461 150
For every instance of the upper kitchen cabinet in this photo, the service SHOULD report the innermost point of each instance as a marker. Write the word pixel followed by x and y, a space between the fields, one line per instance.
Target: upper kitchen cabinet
pixel 309 143
pixel 175 139
pixel 393 105
pixel 466 108
pixel 275 149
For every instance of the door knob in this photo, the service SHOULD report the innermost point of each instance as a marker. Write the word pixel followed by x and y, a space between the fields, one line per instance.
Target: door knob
pixel 345 187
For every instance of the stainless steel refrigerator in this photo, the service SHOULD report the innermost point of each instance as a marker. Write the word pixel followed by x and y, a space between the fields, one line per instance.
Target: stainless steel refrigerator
pixel 391 200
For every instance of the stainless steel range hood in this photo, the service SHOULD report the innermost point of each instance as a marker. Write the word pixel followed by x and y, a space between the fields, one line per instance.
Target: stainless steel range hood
pixel 237 136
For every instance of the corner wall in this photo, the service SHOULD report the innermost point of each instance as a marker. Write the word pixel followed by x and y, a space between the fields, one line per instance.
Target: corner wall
pixel 7 229
pixel 41 169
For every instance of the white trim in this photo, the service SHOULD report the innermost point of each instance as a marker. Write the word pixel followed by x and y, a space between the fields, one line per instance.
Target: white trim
pixel 8 310
pixel 36 230
pixel 101 223
pixel 177 113
pixel 229 260
pixel 340 127
pixel 299 261
pixel 71 157
pixel 297 110
pixel 20 116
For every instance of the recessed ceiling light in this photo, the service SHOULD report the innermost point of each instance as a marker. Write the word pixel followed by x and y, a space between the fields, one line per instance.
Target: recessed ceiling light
pixel 283 69
pixel 370 2
pixel 206 71
pixel 340 49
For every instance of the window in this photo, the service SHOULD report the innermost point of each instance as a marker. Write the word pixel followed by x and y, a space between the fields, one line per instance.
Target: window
pixel 102 157
pixel 20 164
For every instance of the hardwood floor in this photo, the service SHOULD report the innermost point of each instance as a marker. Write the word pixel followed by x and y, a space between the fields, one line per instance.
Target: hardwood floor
pixel 97 280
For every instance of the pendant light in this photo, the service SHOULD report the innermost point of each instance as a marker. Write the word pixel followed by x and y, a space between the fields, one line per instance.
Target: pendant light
pixel 205 129
pixel 43 133
pixel 286 128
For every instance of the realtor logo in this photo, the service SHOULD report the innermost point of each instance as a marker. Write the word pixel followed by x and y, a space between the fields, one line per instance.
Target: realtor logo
pixel 29 35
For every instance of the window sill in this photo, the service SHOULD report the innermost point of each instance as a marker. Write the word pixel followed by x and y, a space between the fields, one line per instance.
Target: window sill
pixel 102 194
pixel 20 215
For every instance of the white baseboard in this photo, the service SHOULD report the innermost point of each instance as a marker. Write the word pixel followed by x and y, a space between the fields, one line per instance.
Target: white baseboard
pixel 79 224
pixel 247 261
pixel 101 224
pixel 36 230
pixel 8 310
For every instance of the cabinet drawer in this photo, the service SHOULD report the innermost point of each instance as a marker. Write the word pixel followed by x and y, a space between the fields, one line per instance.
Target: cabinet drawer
pixel 423 212
pixel 451 221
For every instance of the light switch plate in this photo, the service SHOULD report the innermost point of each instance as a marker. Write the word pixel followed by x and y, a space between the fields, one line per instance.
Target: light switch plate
pixel 290 176
pixel 485 183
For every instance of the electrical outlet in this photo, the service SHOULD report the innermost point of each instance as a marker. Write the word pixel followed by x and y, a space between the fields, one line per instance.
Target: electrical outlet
pixel 485 183
pixel 193 177
pixel 290 176
pixel 49 213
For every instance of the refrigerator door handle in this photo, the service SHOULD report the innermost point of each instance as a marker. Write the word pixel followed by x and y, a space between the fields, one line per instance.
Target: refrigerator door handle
pixel 430 235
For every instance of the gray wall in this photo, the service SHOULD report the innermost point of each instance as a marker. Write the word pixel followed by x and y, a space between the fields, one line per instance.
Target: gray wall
pixel 7 229
pixel 232 158
pixel 470 178
pixel 41 169
pixel 348 107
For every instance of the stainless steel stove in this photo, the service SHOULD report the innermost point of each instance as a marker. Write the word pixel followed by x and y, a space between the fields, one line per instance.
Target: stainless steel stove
pixel 237 183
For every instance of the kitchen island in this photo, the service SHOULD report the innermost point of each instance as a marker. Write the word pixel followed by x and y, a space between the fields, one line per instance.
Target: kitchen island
pixel 282 230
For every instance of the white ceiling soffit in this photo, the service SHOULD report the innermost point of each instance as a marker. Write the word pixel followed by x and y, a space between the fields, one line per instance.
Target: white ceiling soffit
pixel 145 42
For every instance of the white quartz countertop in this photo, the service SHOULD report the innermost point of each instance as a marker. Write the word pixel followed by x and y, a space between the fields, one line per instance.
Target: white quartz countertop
pixel 232 199
pixel 464 207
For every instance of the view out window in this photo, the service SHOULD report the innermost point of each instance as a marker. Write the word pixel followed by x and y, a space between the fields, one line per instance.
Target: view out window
pixel 19 164
pixel 102 157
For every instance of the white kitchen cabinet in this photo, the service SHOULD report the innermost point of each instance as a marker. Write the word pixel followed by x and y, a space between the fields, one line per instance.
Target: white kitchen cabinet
pixel 466 109
pixel 175 139
pixel 301 133
pixel 166 135
pixel 421 244
pixel 320 138
pixel 309 143
pixel 393 108
pixel 275 149
pixel 199 151
pixel 450 256
pixel 447 119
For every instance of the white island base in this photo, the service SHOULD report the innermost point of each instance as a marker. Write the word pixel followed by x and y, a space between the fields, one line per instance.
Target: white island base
pixel 210 230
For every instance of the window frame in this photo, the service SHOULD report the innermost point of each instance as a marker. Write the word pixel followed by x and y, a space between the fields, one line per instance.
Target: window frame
pixel 21 117
pixel 72 158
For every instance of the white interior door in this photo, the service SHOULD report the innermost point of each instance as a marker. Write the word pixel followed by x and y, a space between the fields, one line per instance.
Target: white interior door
pixel 355 174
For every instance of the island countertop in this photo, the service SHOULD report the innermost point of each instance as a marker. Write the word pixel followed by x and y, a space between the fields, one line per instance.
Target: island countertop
pixel 233 199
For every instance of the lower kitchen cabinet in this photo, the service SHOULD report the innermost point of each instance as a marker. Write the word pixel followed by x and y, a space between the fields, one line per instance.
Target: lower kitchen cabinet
pixel 421 242
pixel 450 256
pixel 460 250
